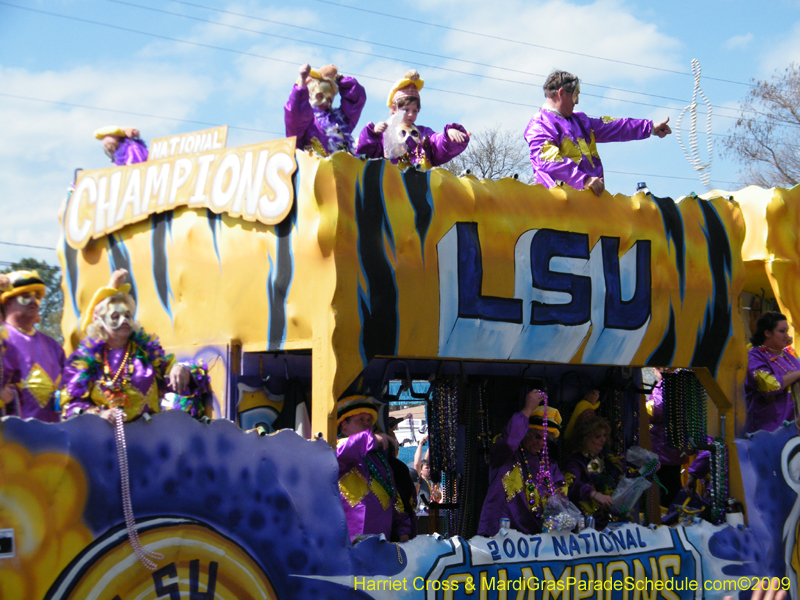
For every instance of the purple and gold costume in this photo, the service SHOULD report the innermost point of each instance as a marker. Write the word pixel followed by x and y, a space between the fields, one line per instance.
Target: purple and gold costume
pixel 565 149
pixel 39 359
pixel 9 373
pixel 144 383
pixel 130 152
pixel 508 497
pixel 768 403
pixel 428 149
pixel 367 505
pixel 587 475
pixel 326 131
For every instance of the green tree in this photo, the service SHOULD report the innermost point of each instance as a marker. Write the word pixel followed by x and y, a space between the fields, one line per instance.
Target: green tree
pixel 766 136
pixel 53 304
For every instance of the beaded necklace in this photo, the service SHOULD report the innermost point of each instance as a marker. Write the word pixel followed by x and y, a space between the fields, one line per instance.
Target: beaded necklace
pixel 544 478
pixel 387 485
pixel 114 386
pixel 113 382
pixel 719 481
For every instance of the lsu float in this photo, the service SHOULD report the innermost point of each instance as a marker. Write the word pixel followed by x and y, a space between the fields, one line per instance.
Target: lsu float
pixel 266 261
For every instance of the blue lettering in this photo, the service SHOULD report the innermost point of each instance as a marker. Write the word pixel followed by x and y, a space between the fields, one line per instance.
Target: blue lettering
pixel 573 545
pixel 639 535
pixel 538 541
pixel 630 539
pixel 585 537
pixel 471 304
pixel 604 538
pixel 495 550
pixel 633 313
pixel 508 548
pixel 546 245
pixel 194 581
pixel 171 591
pixel 562 545
pixel 522 548
pixel 618 538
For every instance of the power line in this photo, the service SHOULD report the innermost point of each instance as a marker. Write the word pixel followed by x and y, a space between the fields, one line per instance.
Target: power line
pixel 138 114
pixel 28 246
pixel 499 38
pixel 363 76
pixel 380 44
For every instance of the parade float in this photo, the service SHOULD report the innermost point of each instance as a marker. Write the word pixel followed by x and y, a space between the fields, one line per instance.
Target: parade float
pixel 301 279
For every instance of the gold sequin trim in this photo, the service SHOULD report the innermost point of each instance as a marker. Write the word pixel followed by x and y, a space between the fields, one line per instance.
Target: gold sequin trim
pixel 353 487
pixel 512 482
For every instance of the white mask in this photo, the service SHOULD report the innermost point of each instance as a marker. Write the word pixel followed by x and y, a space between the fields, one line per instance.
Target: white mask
pixel 117 315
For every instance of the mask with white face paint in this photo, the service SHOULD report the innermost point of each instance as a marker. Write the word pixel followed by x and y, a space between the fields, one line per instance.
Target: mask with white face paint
pixel 25 300
pixel 117 315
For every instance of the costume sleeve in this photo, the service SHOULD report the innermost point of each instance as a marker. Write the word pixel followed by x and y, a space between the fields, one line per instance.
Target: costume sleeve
pixel 762 375
pixel 701 465
pixel 370 144
pixel 354 96
pixel 442 149
pixel 655 405
pixel 546 159
pixel 508 442
pixel 580 490
pixel 353 449
pixel 135 151
pixel 11 376
pixel 608 129
pixel 401 520
pixel 77 383
pixel 297 113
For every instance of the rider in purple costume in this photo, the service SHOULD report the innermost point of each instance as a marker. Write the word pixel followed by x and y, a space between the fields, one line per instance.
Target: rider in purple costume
pixel 33 359
pixel 772 375
pixel 563 143
pixel 123 146
pixel 118 365
pixel 369 494
pixel 419 145
pixel 513 460
pixel 309 114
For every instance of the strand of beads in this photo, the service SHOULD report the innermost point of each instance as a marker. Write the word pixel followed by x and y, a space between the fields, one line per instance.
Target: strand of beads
pixel 719 481
pixel 544 474
pixel 469 479
pixel 385 483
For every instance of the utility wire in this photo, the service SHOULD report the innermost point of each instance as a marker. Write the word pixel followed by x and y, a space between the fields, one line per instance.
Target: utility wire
pixel 28 246
pixel 380 44
pixel 499 38
pixel 363 76
pixel 138 114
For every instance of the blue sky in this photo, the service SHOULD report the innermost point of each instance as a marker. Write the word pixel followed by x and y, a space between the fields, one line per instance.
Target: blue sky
pixel 68 67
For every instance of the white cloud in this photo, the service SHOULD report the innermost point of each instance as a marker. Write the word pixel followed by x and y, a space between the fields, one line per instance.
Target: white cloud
pixel 739 41
pixel 43 142
pixel 782 51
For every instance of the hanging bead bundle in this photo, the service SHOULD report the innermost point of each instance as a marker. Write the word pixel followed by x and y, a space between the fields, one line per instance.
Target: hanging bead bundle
pixel 476 455
pixel 386 484
pixel 443 423
pixel 719 481
pixel 685 410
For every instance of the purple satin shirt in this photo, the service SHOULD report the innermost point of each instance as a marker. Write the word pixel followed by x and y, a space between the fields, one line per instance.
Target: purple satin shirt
pixel 364 511
pixel 333 127
pixel 130 152
pixel 439 148
pixel 564 148
pixel 583 483
pixel 504 458
pixel 658 429
pixel 768 403
pixel 39 360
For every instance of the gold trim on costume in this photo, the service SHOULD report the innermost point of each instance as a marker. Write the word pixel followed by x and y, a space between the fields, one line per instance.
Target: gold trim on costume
pixel 39 384
pixel 353 487
pixel 766 382
pixel 380 493
pixel 512 482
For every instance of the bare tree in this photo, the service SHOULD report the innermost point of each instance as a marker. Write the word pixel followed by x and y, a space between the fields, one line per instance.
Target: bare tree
pixel 766 137
pixel 494 153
